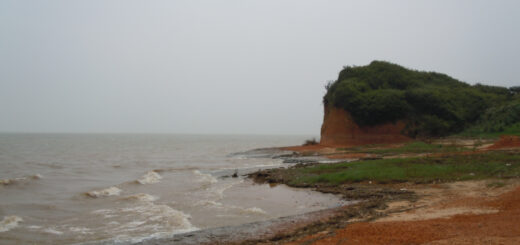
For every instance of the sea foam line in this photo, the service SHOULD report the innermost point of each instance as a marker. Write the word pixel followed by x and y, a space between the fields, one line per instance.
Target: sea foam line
pixel 149 178
pixel 110 191
pixel 9 222
pixel 140 197
pixel 19 179
pixel 207 178
pixel 241 210
pixel 144 221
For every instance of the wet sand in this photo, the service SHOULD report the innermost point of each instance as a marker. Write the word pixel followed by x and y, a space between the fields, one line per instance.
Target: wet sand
pixel 456 213
pixel 251 233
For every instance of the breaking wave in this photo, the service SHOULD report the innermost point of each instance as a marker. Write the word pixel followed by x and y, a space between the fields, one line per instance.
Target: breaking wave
pixel 53 231
pixel 241 210
pixel 140 197
pixel 20 179
pixel 149 178
pixel 254 210
pixel 205 178
pixel 9 222
pixel 111 191
pixel 220 190
pixel 134 222
pixel 185 168
pixel 208 203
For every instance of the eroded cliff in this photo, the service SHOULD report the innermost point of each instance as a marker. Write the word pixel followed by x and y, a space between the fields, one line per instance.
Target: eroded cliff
pixel 339 129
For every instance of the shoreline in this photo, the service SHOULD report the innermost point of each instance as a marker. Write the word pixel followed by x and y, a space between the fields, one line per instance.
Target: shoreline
pixel 279 228
pixel 378 203
pixel 251 232
pixel 364 202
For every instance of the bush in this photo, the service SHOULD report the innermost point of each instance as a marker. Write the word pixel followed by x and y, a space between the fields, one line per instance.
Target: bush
pixel 500 118
pixel 310 142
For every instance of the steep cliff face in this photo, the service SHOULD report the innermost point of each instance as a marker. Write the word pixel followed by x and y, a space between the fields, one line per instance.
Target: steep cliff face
pixel 340 129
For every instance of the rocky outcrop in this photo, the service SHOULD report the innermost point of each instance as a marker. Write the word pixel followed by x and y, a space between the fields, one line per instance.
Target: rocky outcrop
pixel 340 129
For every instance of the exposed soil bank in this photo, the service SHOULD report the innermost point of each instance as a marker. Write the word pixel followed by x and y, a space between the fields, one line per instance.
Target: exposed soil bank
pixel 339 128
pixel 467 213
pixel 506 142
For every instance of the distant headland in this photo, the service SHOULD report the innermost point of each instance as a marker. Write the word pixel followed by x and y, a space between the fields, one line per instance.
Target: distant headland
pixel 387 103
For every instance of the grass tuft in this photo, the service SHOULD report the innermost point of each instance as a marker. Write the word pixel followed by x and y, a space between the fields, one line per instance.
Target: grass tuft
pixel 420 170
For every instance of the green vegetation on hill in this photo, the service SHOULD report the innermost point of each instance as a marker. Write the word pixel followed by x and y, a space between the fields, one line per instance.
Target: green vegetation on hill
pixel 431 103
pixel 503 119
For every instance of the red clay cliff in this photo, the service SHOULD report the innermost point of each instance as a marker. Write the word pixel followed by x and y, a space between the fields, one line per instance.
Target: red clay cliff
pixel 339 129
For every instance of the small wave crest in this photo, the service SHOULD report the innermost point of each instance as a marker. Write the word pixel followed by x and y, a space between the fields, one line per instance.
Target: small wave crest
pixel 149 178
pixel 111 191
pixel 185 168
pixel 221 189
pixel 253 210
pixel 134 223
pixel 20 179
pixel 52 230
pixel 9 222
pixel 140 197
pixel 205 178
pixel 240 210
pixel 208 203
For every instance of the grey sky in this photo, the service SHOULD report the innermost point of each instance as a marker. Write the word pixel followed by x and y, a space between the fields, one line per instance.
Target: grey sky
pixel 228 66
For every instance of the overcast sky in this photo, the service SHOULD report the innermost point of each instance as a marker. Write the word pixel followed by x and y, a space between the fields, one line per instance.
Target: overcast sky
pixel 242 66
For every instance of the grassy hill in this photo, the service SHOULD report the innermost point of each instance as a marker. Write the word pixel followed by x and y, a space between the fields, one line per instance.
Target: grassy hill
pixel 432 104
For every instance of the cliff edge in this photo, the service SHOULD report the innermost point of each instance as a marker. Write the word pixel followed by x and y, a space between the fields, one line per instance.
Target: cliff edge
pixel 339 129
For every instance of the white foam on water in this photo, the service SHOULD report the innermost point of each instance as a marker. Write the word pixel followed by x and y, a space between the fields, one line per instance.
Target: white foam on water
pixel 254 210
pixel 151 177
pixel 237 209
pixel 205 178
pixel 101 211
pixel 220 190
pixel 111 191
pixel 208 203
pixel 137 222
pixel 113 223
pixel 9 222
pixel 140 197
pixel 107 213
pixel 53 231
pixel 20 179
pixel 183 168
pixel 82 230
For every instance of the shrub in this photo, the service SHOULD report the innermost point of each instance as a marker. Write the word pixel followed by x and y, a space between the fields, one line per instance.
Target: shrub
pixel 310 142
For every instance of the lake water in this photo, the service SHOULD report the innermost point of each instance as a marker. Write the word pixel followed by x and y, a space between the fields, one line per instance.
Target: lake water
pixel 77 188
